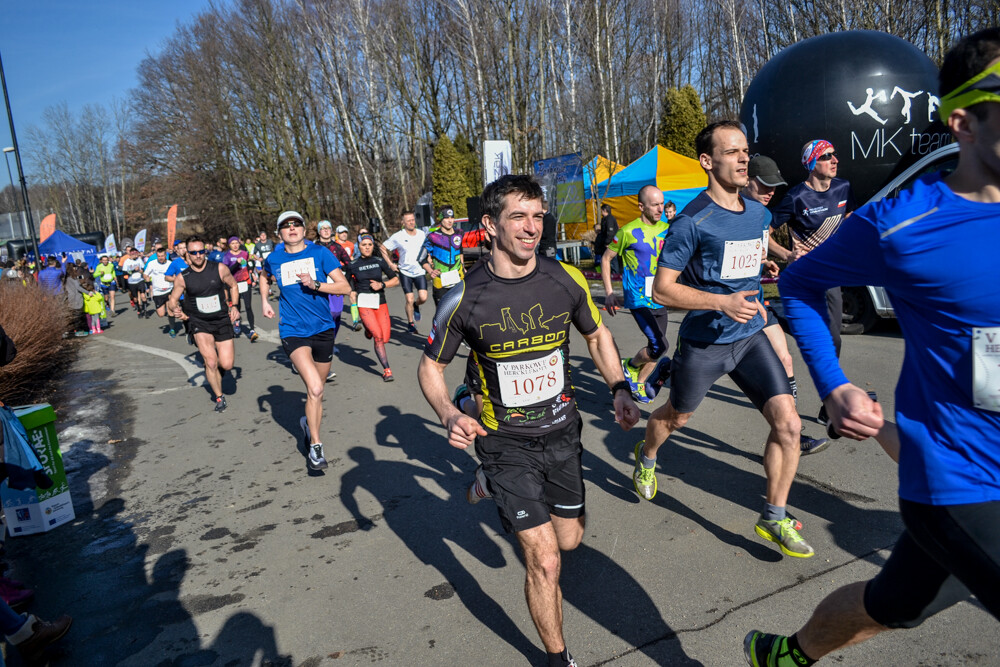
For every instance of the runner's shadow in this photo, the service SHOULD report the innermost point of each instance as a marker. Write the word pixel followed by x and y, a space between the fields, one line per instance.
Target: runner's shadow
pixel 421 440
pixel 426 523
pixel 358 358
pixel 287 408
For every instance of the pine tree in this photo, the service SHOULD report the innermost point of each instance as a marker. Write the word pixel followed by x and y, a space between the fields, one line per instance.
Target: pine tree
pixel 682 120
pixel 473 169
pixel 449 179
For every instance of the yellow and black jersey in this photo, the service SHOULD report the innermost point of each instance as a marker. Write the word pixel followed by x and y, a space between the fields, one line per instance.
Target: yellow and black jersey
pixel 518 330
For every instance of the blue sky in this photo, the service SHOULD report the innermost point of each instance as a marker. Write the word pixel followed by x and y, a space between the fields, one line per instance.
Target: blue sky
pixel 78 51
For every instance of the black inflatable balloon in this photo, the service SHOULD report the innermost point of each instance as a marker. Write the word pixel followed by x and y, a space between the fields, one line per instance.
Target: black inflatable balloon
pixel 872 95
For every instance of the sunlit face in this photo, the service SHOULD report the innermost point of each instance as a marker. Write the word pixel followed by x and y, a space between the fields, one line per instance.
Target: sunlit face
pixel 409 222
pixel 292 230
pixel 221 244
pixel 519 228
pixel 181 249
pixel 234 245
pixel 729 159
pixel 105 260
pixel 367 247
pixel 197 254
pixel 759 192
pixel 263 237
pixel 651 204
pixel 671 211
pixel 826 164
pixel 448 224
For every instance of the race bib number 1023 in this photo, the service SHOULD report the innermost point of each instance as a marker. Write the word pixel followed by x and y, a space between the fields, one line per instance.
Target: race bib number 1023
pixel 530 382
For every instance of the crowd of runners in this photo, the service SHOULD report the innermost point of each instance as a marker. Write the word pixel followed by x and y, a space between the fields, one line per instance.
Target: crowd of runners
pixel 511 313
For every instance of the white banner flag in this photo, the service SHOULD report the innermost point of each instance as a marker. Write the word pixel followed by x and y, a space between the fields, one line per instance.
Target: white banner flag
pixel 496 160
pixel 109 245
pixel 140 241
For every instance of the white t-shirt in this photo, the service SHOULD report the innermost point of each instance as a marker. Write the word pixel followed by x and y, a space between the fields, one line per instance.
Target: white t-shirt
pixel 156 270
pixel 408 247
pixel 133 267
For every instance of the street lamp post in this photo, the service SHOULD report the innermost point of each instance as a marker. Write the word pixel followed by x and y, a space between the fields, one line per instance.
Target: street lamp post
pixel 20 168
pixel 6 153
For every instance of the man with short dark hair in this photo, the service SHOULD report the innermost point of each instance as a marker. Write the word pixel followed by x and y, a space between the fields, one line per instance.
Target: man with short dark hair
pixel 514 311
pixel 408 242
pixel 606 230
pixel 717 245
pixel 948 393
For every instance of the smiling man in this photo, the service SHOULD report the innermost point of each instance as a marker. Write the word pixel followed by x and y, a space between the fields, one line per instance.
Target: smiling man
pixel 514 311
pixel 710 265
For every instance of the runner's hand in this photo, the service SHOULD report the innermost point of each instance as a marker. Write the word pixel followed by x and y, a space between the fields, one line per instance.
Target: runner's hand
pixel 462 430
pixel 853 413
pixel 307 280
pixel 626 412
pixel 739 308
pixel 611 304
pixel 267 310
pixel 771 268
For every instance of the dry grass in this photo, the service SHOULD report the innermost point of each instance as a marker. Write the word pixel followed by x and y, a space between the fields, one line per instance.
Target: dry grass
pixel 35 320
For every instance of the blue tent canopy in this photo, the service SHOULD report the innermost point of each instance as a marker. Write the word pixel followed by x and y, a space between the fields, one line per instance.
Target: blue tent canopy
pixel 59 243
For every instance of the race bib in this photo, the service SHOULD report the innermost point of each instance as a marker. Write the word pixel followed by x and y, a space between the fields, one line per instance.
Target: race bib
pixel 530 382
pixel 368 300
pixel 649 287
pixel 242 287
pixel 741 259
pixel 986 368
pixel 290 270
pixel 208 304
pixel 449 278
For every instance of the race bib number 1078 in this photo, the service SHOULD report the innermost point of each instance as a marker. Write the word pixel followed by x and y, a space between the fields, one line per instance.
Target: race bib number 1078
pixel 530 382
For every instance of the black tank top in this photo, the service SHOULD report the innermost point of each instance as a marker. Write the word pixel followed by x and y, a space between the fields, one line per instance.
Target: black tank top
pixel 205 294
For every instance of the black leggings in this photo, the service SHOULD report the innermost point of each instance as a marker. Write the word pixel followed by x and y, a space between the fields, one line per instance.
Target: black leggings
pixel 946 553
pixel 247 301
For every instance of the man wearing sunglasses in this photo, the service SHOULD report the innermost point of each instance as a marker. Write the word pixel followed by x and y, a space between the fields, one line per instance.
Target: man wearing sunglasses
pixel 307 275
pixel 813 211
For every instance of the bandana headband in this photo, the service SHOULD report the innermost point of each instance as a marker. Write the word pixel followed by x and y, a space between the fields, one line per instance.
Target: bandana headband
pixel 366 237
pixel 984 87
pixel 812 151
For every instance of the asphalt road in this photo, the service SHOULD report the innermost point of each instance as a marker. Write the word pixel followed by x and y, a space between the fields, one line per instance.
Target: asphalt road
pixel 202 539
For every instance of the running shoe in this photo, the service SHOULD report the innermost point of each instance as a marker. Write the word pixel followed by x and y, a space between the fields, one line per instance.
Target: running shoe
pixel 254 336
pixel 639 395
pixel 644 479
pixel 387 375
pixel 823 418
pixel 416 312
pixel 173 334
pixel 478 489
pixel 809 445
pixel 331 375
pixel 765 650
pixel 356 325
pixel 304 425
pixel 659 378
pixel 220 404
pixel 631 375
pixel 316 459
pixel 461 392
pixel 412 328
pixel 784 534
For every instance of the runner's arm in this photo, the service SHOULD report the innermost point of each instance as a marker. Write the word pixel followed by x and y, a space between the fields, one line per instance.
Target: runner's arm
pixel 174 302
pixel 610 300
pixel 462 429
pixel 604 352
pixel 668 292
pixel 265 289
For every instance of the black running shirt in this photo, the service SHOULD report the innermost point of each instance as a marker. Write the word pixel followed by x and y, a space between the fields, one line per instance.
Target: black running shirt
pixel 812 216
pixel 518 331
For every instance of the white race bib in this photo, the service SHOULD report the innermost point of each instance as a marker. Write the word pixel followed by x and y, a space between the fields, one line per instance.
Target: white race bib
pixel 741 259
pixel 986 368
pixel 530 382
pixel 649 287
pixel 208 304
pixel 242 287
pixel 368 300
pixel 290 270
pixel 449 278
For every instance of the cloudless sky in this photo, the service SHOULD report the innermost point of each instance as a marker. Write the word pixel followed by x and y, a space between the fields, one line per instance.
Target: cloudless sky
pixel 79 52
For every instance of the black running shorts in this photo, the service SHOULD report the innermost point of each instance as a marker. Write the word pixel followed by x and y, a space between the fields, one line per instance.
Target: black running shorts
pixel 534 477
pixel 160 300
pixel 751 363
pixel 946 553
pixel 408 283
pixel 220 330
pixel 321 345
pixel 135 288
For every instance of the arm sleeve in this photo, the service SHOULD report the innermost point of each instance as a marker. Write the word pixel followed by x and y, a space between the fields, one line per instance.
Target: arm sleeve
pixel 852 256
pixel 447 332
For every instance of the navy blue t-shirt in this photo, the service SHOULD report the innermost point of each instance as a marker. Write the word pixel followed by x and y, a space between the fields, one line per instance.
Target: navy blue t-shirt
pixel 302 312
pixel 812 216
pixel 718 251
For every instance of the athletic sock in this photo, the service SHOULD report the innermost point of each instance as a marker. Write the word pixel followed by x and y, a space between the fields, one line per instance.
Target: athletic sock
pixel 561 659
pixel 793 655
pixel 647 462
pixel 795 388
pixel 773 512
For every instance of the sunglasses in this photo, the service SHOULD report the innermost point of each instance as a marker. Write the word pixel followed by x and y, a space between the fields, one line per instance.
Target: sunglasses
pixel 826 157
pixel 291 223
pixel 197 252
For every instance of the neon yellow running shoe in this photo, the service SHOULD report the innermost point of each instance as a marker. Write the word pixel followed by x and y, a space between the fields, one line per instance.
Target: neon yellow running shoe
pixel 632 375
pixel 644 479
pixel 783 534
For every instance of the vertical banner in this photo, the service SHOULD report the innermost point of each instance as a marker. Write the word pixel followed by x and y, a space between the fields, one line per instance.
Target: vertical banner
pixel 171 227
pixel 496 160
pixel 110 247
pixel 140 241
pixel 562 179
pixel 47 227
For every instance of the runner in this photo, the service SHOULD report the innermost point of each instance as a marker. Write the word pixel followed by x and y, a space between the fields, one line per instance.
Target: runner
pixel 306 326
pixel 155 271
pixel 710 265
pixel 639 243
pixel 133 267
pixel 948 394
pixel 218 253
pixel 264 247
pixel 408 242
pixel 529 436
pixel 209 287
pixel 324 237
pixel 442 254
pixel 367 275
pixel 764 178
pixel 104 274
pixel 237 260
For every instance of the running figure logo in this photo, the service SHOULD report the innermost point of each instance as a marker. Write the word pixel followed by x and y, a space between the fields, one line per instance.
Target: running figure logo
pixel 866 108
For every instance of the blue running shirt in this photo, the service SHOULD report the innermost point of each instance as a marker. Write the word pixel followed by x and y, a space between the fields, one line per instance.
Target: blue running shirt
pixel 639 244
pixel 718 251
pixel 301 312
pixel 935 253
